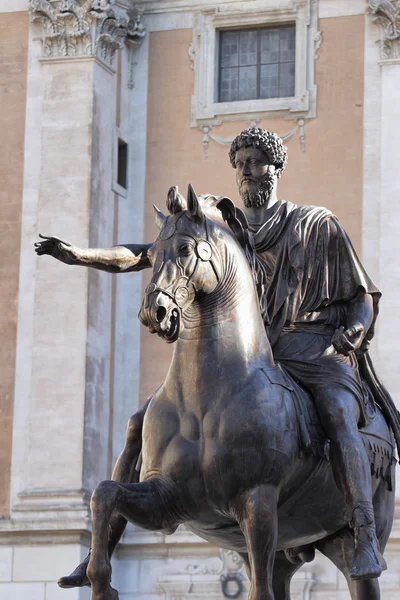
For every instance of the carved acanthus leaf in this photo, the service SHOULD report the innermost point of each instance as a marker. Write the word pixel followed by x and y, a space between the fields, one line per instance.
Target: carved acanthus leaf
pixel 84 27
pixel 387 16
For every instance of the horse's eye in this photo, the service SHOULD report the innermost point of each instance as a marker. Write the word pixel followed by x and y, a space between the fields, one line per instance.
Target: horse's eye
pixel 185 250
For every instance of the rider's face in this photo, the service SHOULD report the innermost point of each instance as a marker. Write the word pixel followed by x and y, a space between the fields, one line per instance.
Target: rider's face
pixel 255 178
pixel 251 166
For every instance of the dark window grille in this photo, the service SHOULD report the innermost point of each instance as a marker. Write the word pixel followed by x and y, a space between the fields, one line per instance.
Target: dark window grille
pixel 257 63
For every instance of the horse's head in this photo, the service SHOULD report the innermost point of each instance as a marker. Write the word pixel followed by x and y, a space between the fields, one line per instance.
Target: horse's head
pixel 187 262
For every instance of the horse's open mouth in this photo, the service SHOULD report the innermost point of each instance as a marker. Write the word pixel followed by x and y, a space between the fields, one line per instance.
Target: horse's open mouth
pixel 170 324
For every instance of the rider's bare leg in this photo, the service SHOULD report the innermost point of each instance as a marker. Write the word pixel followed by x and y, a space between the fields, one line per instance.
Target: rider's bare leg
pixel 339 414
pixel 152 504
pixel 257 516
pixel 124 472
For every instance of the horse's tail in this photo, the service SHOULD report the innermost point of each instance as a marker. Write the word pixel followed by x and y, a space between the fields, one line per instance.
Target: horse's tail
pixel 381 396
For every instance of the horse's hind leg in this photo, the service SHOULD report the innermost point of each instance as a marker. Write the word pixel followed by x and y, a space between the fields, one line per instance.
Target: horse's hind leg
pixel 257 516
pixel 150 504
pixel 283 573
pixel 339 548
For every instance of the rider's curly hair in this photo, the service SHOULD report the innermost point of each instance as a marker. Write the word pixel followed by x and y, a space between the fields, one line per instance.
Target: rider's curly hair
pixel 268 142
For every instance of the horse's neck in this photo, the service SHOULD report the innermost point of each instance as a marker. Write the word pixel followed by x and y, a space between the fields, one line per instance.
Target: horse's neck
pixel 224 332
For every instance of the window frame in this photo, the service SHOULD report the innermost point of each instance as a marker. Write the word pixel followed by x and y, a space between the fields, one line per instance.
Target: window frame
pixel 206 110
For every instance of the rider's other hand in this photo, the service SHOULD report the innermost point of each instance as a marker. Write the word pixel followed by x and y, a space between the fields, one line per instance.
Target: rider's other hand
pixel 57 248
pixel 348 341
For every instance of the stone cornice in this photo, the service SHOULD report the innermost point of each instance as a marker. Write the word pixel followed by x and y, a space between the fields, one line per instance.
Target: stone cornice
pixel 73 28
pixel 386 14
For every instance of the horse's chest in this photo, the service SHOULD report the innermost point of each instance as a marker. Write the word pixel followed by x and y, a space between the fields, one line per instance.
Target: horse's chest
pixel 213 454
pixel 171 442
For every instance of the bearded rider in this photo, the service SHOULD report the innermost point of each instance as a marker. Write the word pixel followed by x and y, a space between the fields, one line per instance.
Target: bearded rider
pixel 321 308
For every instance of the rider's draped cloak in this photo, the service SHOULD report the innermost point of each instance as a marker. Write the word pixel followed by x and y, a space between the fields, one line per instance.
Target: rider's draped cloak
pixel 310 264
pixel 308 272
pixel 312 273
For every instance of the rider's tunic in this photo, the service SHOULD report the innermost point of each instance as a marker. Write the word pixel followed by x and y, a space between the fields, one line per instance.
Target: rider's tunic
pixel 312 272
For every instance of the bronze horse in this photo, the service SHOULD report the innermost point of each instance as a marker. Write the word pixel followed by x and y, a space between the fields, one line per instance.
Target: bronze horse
pixel 221 450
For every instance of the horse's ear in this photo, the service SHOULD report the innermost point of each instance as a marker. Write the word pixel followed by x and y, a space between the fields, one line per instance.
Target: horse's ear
pixel 194 208
pixel 235 218
pixel 160 218
pixel 176 203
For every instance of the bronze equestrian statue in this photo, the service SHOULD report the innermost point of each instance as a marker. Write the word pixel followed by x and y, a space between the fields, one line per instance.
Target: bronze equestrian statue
pixel 319 307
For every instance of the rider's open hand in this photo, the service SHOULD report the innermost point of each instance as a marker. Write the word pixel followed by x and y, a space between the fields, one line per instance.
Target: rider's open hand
pixel 57 248
pixel 348 341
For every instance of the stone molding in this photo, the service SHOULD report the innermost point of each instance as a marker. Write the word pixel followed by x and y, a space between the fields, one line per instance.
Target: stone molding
pixel 79 28
pixel 386 14
pixel 37 506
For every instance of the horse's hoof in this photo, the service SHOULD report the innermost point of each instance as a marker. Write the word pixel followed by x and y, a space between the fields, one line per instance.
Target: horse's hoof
pixel 78 577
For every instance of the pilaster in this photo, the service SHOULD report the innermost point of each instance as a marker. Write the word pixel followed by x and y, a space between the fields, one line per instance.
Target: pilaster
pixel 381 242
pixel 63 404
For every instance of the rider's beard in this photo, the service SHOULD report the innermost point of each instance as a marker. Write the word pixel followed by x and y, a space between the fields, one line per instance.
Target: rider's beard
pixel 254 197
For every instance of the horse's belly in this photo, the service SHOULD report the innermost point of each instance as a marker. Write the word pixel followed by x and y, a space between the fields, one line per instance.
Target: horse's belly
pixel 226 535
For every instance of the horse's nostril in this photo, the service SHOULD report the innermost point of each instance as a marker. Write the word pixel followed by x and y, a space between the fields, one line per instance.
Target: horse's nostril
pixel 160 314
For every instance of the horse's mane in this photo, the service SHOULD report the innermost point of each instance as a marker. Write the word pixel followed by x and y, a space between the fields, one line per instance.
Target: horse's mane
pixel 234 217
pixel 223 210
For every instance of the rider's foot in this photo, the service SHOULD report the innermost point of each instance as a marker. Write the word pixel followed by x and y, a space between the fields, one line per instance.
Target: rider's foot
pixel 78 577
pixel 368 562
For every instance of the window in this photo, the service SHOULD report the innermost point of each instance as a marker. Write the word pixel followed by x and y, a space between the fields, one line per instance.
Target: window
pixel 257 63
pixel 120 163
pixel 122 168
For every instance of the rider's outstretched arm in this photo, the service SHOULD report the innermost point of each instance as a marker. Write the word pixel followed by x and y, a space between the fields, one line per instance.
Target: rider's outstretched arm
pixel 119 259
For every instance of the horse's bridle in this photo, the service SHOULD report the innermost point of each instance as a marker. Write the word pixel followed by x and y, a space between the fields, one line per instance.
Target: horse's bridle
pixel 182 290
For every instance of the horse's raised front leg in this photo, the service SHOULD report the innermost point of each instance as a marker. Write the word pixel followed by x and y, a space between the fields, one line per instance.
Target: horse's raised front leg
pixel 124 472
pixel 151 504
pixel 257 516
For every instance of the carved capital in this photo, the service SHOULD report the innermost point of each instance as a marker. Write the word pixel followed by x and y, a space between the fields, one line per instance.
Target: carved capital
pixel 72 28
pixel 386 14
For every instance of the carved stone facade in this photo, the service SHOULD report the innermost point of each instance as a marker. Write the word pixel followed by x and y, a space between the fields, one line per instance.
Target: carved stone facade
pixel 387 16
pixel 72 28
pixel 59 179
